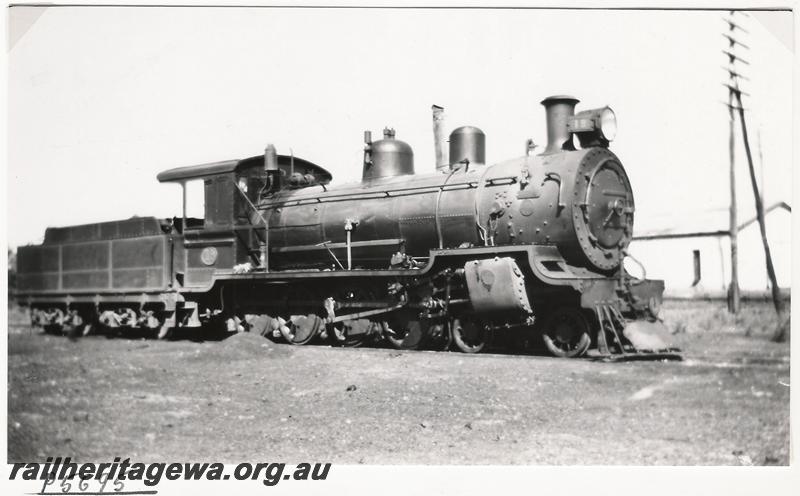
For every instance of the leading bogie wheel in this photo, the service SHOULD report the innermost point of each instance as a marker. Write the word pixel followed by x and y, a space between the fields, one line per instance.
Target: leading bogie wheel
pixel 565 333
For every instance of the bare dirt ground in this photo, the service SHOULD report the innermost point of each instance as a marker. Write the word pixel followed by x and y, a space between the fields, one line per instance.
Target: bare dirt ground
pixel 249 399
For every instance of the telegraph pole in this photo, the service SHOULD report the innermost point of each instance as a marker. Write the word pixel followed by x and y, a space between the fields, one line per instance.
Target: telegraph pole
pixel 734 297
pixel 734 92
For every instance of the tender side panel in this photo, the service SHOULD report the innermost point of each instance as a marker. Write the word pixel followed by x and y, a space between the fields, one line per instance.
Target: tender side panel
pixel 119 265
pixel 85 265
pixel 38 268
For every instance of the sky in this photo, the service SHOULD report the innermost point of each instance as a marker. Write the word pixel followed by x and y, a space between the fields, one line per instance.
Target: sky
pixel 101 99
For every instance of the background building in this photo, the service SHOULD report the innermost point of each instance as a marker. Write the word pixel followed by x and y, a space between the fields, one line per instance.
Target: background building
pixel 691 251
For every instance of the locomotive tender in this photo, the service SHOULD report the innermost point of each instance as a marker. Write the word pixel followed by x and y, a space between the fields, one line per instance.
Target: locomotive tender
pixel 528 248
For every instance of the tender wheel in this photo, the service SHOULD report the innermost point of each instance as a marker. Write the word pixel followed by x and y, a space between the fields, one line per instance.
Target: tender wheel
pixel 90 325
pixel 566 333
pixel 55 317
pixel 74 331
pixel 470 336
pixel 88 329
pixel 404 334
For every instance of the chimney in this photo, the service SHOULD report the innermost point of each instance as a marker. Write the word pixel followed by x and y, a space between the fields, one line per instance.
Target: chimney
pixel 442 163
pixel 559 109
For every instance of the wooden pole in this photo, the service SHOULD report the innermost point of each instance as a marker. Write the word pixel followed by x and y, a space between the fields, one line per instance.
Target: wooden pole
pixel 781 332
pixel 734 297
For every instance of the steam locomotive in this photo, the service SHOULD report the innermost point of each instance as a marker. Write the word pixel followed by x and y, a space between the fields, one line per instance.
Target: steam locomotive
pixel 531 248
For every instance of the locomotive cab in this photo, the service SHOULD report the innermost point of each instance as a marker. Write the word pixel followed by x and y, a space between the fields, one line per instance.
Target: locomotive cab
pixel 234 231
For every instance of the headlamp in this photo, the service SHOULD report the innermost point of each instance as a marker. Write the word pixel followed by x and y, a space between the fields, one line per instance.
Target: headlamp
pixel 608 124
pixel 596 127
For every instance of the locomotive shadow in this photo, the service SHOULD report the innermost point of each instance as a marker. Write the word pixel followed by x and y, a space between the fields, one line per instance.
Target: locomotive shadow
pixel 501 345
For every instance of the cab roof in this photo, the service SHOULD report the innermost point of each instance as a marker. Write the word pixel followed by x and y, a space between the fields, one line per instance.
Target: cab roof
pixel 285 162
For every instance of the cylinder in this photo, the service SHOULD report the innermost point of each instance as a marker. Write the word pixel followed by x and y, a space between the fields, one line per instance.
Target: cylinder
pixel 467 143
pixel 558 110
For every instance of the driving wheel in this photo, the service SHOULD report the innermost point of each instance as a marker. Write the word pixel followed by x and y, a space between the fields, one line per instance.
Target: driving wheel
pixel 402 334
